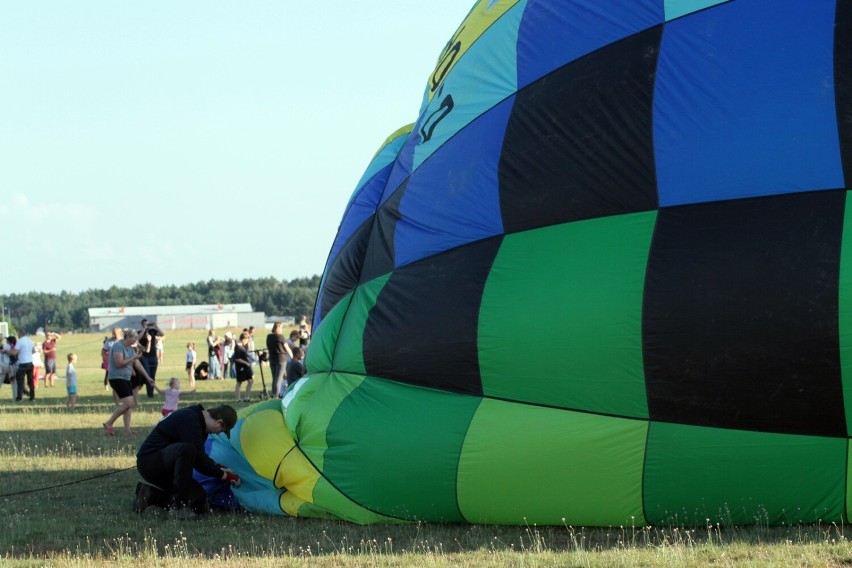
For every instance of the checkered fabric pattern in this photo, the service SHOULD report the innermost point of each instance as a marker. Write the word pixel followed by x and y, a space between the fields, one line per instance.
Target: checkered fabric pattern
pixel 604 279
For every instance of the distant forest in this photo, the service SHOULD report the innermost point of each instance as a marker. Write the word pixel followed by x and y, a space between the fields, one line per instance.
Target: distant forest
pixel 68 311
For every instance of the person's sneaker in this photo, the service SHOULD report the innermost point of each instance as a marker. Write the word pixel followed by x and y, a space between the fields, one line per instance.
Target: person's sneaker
pixel 143 497
pixel 148 495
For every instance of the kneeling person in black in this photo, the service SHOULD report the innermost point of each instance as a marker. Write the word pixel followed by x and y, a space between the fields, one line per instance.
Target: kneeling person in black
pixel 172 450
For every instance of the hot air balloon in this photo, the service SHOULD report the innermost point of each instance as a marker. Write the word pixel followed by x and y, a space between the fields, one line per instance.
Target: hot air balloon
pixel 601 280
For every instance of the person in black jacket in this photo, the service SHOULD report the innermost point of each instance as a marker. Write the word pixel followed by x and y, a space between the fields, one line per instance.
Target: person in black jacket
pixel 245 374
pixel 171 451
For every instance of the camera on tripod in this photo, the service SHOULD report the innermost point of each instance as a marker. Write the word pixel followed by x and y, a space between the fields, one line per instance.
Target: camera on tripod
pixel 262 354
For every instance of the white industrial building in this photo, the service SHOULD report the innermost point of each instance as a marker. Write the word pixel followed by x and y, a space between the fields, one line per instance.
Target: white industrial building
pixel 214 316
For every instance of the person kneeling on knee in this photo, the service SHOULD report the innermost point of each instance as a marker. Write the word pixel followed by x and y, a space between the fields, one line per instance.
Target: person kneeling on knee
pixel 173 449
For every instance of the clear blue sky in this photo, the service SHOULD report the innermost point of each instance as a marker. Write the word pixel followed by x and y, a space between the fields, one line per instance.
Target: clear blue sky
pixel 171 142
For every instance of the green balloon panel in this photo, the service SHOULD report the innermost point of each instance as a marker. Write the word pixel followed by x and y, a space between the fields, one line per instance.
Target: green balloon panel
pixel 587 352
pixel 695 475
pixel 591 475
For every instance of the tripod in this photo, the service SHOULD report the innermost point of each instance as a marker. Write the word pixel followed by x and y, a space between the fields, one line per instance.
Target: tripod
pixel 262 355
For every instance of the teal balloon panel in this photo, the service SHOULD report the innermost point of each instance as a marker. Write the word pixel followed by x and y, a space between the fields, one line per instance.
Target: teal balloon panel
pixel 602 279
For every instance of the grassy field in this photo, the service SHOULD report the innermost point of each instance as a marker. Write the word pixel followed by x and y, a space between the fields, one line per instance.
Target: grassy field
pixel 66 490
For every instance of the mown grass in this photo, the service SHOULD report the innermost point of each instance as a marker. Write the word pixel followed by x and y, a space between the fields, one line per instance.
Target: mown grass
pixel 66 489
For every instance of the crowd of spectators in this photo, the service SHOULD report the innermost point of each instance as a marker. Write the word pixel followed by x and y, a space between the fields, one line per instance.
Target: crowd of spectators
pixel 131 358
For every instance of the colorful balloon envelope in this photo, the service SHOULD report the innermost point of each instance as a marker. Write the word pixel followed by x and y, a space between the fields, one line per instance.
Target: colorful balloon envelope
pixel 603 279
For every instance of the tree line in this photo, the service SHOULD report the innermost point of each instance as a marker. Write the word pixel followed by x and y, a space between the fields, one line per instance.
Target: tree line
pixel 68 311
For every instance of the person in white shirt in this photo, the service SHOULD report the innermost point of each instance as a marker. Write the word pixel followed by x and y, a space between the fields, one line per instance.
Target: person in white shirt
pixel 23 350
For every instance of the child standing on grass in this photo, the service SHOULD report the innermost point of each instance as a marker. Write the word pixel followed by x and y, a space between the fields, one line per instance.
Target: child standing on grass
pixel 71 382
pixel 38 365
pixel 190 364
pixel 172 395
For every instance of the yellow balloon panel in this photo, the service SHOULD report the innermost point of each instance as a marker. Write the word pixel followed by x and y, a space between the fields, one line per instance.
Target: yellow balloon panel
pixel 265 440
pixel 290 504
pixel 298 475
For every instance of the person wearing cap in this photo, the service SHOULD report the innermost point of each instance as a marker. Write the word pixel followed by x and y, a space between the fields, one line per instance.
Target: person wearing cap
pixel 171 451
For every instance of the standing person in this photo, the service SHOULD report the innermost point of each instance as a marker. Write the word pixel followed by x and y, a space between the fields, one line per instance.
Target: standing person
pixel 304 334
pixel 23 349
pixel 160 349
pixel 48 349
pixel 172 396
pixel 252 354
pixel 123 361
pixel 292 343
pixel 7 367
pixel 172 450
pixel 245 374
pixel 293 340
pixel 228 370
pixel 295 368
pixel 117 335
pixel 190 363
pixel 71 382
pixel 221 353
pixel 278 353
pixel 213 345
pixel 13 364
pixel 4 363
pixel 147 343
pixel 38 365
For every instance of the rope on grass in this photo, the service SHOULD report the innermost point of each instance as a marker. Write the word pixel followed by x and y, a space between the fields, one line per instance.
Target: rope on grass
pixel 67 483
